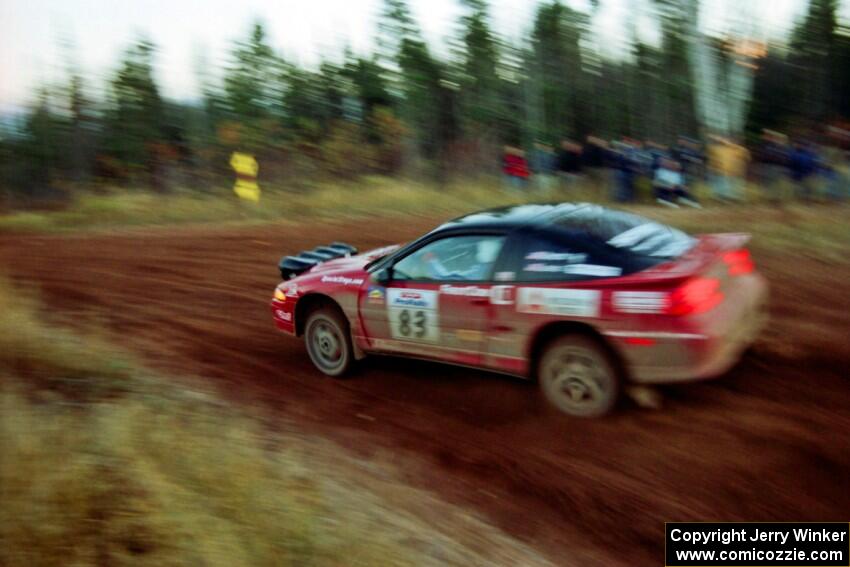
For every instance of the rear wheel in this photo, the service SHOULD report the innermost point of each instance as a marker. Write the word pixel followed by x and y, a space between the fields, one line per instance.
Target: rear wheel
pixel 328 341
pixel 578 376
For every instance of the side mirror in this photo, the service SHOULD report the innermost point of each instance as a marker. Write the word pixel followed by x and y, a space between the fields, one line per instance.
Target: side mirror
pixel 383 276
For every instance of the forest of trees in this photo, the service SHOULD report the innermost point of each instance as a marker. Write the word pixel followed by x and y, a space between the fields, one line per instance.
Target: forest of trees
pixel 405 110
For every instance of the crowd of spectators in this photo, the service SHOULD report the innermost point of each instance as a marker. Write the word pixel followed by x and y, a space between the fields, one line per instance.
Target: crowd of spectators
pixel 777 165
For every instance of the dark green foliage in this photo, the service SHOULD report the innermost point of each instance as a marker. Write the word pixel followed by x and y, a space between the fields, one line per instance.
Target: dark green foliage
pixel 135 118
pixel 555 69
pixel 480 94
pixel 404 109
pixel 805 87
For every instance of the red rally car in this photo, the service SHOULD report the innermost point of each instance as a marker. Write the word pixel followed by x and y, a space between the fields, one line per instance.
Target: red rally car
pixel 581 297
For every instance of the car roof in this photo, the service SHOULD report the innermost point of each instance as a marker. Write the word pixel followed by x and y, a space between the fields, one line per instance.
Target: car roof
pixel 516 216
pixel 580 220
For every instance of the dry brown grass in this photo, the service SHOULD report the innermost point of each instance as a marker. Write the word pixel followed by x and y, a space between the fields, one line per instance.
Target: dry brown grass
pixel 368 196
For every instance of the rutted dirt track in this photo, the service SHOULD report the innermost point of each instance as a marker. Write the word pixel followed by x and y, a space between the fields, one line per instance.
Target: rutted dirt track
pixel 769 441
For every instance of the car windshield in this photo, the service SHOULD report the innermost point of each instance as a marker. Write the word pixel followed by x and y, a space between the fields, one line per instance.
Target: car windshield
pixel 626 231
pixel 456 258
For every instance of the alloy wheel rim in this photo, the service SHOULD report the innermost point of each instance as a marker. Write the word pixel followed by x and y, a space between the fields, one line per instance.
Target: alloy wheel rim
pixel 327 344
pixel 577 378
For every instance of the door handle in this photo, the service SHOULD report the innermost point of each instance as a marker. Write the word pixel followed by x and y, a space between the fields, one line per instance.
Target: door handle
pixel 481 301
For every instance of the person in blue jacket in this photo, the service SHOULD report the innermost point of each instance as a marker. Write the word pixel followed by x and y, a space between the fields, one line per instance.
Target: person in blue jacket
pixel 803 164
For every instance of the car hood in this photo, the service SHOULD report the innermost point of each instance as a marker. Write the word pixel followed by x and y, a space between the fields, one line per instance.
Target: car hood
pixel 350 263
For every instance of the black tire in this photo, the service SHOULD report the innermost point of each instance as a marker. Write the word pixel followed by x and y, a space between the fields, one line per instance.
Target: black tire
pixel 329 342
pixel 578 376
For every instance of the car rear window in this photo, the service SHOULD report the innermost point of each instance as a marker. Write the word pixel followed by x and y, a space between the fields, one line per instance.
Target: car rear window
pixel 626 231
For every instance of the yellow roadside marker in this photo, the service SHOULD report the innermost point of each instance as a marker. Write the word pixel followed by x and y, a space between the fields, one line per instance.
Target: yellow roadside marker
pixel 246 168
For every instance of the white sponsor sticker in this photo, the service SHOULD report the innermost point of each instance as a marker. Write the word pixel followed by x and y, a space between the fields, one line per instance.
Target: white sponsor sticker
pixel 592 270
pixel 541 267
pixel 552 301
pixel 341 280
pixel 413 314
pixel 639 301
pixel 556 256
pixel 465 290
pixel 283 315
pixel 501 295
pixel 498 294
pixel 575 269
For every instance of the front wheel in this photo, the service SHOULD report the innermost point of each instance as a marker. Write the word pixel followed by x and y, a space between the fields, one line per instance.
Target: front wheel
pixel 578 376
pixel 328 341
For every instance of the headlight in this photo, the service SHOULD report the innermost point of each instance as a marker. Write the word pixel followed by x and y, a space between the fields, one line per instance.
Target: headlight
pixel 279 295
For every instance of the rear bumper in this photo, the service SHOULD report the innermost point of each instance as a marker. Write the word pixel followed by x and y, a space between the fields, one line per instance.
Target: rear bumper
pixel 709 352
pixel 726 350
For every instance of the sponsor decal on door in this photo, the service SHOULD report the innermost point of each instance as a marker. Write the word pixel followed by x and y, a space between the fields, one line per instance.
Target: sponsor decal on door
pixel 550 301
pixel 413 314
pixel 465 290
pixel 640 301
pixel 342 280
pixel 376 295
pixel 502 295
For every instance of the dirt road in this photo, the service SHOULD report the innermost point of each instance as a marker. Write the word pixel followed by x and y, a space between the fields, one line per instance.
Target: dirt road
pixel 770 441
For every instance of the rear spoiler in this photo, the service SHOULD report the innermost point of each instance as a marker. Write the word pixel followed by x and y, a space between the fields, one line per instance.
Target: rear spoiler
pixel 291 266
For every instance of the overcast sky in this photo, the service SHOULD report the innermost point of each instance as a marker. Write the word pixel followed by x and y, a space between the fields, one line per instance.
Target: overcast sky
pixel 186 32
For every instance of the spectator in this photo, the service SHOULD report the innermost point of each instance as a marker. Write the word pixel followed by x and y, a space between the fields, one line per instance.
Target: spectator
pixel 596 161
pixel 690 156
pixel 772 159
pixel 727 163
pixel 669 185
pixel 628 165
pixel 569 163
pixel 804 164
pixel 543 166
pixel 515 168
pixel 655 153
pixel 642 158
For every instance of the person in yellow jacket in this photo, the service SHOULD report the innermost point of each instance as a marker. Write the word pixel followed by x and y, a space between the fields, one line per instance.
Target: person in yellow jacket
pixel 727 166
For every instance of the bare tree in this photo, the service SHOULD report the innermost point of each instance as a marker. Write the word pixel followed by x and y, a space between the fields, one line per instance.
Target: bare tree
pixel 723 71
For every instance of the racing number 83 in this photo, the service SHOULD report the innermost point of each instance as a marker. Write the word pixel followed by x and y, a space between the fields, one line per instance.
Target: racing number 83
pixel 414 315
pixel 412 325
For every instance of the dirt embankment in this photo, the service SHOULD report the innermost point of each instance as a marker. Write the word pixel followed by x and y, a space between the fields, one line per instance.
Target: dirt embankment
pixel 769 441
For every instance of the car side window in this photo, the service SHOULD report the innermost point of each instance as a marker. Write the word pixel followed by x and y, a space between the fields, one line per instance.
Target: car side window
pixel 455 258
pixel 549 258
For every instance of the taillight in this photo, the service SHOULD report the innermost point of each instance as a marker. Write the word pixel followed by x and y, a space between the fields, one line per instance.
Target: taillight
pixel 695 296
pixel 739 262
